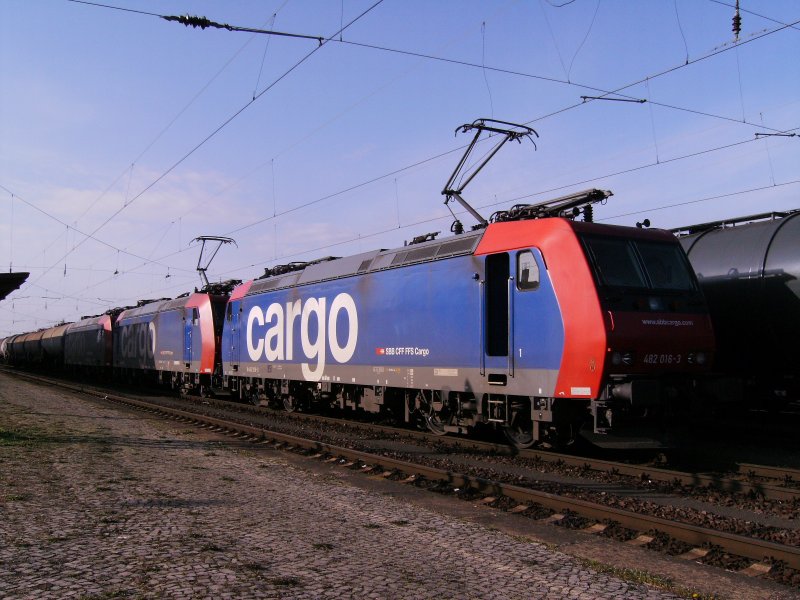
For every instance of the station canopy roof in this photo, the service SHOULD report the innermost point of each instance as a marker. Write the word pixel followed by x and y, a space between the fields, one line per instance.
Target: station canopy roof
pixel 10 282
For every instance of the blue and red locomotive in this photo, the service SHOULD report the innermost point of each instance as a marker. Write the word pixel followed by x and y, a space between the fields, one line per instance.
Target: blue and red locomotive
pixel 537 326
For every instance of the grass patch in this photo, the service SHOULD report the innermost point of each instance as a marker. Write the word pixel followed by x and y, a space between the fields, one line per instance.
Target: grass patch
pixel 120 593
pixel 109 520
pixel 17 497
pixel 643 577
pixel 323 546
pixel 212 548
pixel 57 538
pixel 17 437
pixel 285 581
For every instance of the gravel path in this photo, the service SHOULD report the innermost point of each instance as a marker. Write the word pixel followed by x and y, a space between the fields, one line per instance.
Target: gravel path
pixel 97 502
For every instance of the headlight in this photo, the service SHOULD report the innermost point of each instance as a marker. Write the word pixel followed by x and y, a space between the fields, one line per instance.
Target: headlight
pixel 696 358
pixel 622 358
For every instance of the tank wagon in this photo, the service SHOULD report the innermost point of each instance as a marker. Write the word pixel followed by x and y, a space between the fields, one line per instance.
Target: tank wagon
pixel 52 345
pixel 538 326
pixel 88 344
pixel 749 270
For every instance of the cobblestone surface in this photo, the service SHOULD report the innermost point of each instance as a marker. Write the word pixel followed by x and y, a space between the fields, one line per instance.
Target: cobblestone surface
pixel 97 502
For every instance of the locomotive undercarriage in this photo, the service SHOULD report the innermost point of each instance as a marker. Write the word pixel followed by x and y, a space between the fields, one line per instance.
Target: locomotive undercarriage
pixel 626 407
pixel 525 421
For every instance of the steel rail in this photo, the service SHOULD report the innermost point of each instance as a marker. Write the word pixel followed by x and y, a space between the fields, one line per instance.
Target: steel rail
pixel 780 473
pixel 709 480
pixel 717 482
pixel 712 481
pixel 739 545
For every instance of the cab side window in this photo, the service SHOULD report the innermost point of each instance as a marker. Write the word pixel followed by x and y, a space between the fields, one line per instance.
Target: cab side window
pixel 527 271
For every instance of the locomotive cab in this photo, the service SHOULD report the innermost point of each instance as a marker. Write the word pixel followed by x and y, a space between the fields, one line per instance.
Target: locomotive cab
pixel 657 326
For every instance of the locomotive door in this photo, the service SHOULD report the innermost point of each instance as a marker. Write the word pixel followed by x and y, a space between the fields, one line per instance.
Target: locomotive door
pixel 497 363
pixel 233 318
pixel 188 320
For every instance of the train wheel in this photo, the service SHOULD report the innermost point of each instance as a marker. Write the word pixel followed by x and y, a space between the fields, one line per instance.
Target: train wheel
pixel 520 436
pixel 290 403
pixel 435 413
pixel 519 431
pixel 435 423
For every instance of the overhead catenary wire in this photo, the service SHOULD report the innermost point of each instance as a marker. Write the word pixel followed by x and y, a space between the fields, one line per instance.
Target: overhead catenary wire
pixel 129 170
pixel 553 113
pixel 362 236
pixel 212 134
pixel 351 188
pixel 204 23
pixel 605 92
pixel 418 223
pixel 169 125
pixel 736 121
pixel 87 236
pixel 512 200
pixel 484 67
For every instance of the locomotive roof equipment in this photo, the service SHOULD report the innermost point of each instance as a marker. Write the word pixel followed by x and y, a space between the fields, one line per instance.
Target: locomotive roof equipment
pixel 512 132
pixel 210 238
pixel 567 207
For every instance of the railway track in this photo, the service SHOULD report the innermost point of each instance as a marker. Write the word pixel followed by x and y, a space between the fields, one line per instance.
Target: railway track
pixel 773 483
pixel 789 476
pixel 516 498
pixel 769 482
pixel 526 498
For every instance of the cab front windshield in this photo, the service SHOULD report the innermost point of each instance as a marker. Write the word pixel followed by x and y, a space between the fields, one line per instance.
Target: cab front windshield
pixel 639 264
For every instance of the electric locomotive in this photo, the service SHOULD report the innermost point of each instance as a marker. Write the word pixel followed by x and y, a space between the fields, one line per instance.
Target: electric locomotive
pixel 539 325
pixel 173 342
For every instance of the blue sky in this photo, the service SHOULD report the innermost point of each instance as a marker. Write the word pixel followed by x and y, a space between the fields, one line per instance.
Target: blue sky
pixel 144 134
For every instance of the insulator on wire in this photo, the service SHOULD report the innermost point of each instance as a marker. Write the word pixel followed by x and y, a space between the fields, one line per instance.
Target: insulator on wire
pixel 737 22
pixel 588 213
